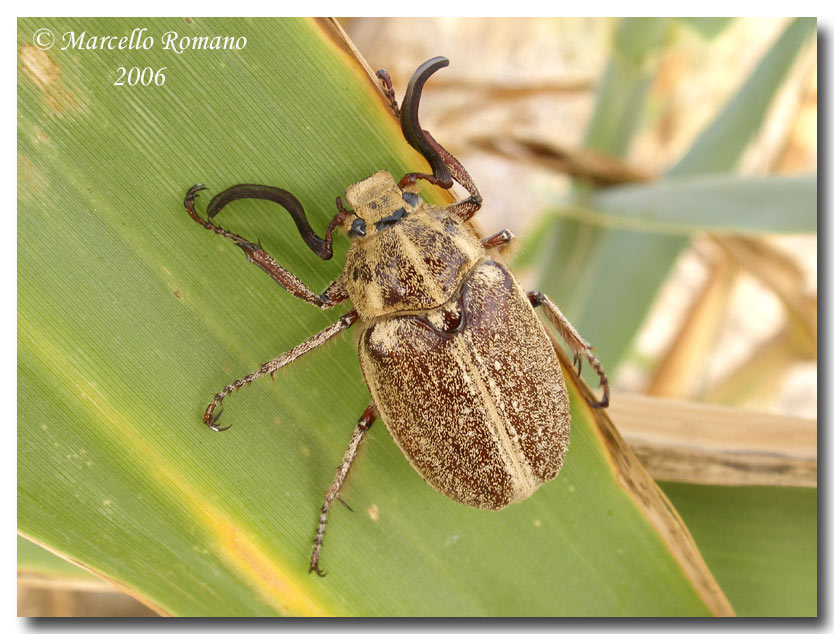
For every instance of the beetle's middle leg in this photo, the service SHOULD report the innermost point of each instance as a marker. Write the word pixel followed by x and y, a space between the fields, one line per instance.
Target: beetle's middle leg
pixel 270 367
pixel 365 422
pixel 498 239
pixel 576 343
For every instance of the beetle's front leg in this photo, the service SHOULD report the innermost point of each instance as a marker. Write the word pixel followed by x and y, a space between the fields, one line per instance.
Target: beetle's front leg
pixel 365 422
pixel 445 168
pixel 345 322
pixel 335 293
pixel 576 343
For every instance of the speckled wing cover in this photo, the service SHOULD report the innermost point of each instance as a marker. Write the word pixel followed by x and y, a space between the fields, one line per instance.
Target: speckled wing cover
pixel 472 391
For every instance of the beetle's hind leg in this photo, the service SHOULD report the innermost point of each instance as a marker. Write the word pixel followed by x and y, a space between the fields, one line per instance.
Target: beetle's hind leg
pixel 365 422
pixel 345 322
pixel 576 343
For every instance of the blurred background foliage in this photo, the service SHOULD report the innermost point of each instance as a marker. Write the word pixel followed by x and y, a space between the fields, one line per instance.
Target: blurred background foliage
pixel 660 175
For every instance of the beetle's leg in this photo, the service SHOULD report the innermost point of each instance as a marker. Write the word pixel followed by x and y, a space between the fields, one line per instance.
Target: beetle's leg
pixel 445 168
pixel 388 89
pixel 501 238
pixel 577 361
pixel 576 343
pixel 255 253
pixel 345 322
pixel 365 422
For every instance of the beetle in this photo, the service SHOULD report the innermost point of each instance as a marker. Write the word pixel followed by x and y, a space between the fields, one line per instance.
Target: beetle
pixel 459 366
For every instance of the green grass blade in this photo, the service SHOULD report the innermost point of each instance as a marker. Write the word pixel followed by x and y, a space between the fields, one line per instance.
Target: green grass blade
pixel 130 317
pixel 718 203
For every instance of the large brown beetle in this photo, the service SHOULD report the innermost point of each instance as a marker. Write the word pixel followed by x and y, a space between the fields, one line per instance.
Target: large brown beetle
pixel 459 366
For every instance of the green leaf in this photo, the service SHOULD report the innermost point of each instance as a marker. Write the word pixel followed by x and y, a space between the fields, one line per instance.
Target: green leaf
pixel 718 203
pixel 130 317
pixel 761 543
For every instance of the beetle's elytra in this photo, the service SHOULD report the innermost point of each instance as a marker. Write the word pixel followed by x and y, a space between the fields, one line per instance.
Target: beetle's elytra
pixel 459 366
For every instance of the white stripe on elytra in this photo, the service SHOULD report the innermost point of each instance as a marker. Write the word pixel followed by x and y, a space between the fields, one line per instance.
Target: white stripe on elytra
pixel 523 481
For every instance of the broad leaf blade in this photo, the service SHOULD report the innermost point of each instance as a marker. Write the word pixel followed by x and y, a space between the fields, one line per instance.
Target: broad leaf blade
pixel 131 317
pixel 761 543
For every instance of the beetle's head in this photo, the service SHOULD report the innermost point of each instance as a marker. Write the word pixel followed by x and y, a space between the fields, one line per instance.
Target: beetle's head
pixel 377 203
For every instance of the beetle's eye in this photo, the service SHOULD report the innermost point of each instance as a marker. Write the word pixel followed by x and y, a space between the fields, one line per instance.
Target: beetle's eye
pixel 357 229
pixel 411 198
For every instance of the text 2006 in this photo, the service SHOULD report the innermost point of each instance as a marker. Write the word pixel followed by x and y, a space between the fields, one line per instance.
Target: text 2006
pixel 140 76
